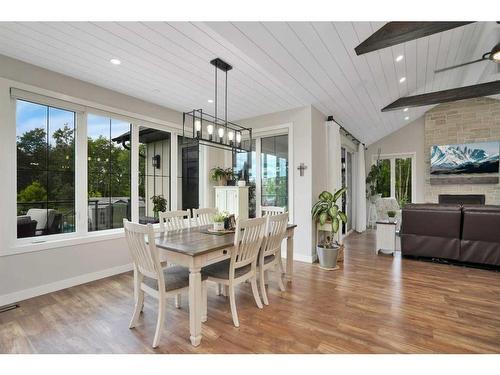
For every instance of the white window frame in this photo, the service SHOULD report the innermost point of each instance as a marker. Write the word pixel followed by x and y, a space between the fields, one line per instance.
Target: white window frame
pixel 392 159
pixel 82 108
pixel 257 135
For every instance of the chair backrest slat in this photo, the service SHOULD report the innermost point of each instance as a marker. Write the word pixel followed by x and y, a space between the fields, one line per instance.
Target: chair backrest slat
pixel 272 210
pixel 141 243
pixel 172 220
pixel 247 241
pixel 275 233
pixel 204 216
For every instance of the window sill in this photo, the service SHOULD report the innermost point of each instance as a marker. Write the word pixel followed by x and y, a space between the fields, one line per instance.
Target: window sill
pixel 70 240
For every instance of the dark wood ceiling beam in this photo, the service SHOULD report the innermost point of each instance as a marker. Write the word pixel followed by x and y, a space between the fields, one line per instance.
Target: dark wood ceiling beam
pixel 467 92
pixel 393 33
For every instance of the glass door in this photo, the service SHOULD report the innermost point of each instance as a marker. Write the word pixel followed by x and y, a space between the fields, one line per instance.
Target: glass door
pixel 274 171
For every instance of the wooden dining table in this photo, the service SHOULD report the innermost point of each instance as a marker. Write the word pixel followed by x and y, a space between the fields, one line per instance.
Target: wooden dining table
pixel 195 248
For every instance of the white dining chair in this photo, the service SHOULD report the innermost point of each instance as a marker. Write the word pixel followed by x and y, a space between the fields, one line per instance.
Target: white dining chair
pixel 204 216
pixel 272 210
pixel 172 220
pixel 270 253
pixel 242 265
pixel 151 278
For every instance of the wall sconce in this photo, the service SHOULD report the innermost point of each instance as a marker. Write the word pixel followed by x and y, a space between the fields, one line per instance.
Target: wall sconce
pixel 156 161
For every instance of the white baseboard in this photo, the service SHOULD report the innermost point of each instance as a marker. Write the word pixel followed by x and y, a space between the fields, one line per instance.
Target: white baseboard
pixel 299 257
pixel 21 295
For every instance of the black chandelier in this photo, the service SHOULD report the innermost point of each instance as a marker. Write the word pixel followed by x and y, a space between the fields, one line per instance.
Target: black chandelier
pixel 202 128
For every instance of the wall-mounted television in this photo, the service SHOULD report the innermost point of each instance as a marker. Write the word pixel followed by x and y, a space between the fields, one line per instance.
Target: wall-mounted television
pixel 481 157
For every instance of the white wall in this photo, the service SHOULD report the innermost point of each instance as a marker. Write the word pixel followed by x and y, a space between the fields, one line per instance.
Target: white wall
pixel 410 138
pixel 28 274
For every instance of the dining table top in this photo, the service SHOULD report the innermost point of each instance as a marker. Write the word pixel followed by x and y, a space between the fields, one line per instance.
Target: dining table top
pixel 196 240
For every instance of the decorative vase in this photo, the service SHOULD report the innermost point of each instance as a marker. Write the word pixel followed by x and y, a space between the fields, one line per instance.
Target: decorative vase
pixel 223 181
pixel 219 225
pixel 328 257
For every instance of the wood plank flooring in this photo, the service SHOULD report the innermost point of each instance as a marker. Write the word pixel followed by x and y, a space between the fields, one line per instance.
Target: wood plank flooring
pixel 373 304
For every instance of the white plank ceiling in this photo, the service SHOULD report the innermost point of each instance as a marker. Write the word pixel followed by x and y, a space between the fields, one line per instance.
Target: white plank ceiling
pixel 277 65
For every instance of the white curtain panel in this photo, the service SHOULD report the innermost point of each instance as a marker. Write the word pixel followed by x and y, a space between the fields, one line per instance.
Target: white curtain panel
pixel 361 190
pixel 334 156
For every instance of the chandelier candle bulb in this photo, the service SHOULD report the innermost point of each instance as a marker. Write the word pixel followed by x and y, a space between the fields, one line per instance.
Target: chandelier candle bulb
pixel 210 130
pixel 238 138
pixel 221 134
pixel 197 126
pixel 230 136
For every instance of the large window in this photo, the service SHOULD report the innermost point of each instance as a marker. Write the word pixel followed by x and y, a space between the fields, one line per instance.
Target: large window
pixel 108 172
pixel 45 169
pixel 154 170
pixel 274 167
pixel 396 178
pixel 188 174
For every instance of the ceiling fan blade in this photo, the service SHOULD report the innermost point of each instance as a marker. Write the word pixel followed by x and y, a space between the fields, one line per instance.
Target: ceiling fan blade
pixel 393 33
pixel 459 65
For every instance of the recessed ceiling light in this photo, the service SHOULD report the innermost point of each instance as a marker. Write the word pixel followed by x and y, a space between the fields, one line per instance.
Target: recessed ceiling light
pixel 406 109
pixel 407 117
pixel 402 79
pixel 115 61
pixel 399 58
pixel 210 101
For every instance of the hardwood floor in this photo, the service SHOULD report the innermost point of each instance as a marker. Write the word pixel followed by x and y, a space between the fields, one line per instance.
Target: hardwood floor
pixel 373 304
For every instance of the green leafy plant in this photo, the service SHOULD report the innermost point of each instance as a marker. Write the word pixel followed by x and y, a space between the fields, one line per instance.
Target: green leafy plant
pixel 219 217
pixel 327 210
pixel 372 179
pixel 159 204
pixel 219 174
pixel 391 214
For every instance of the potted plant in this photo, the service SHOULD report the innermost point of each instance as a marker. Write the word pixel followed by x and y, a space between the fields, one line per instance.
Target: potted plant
pixel 325 211
pixel 391 214
pixel 221 175
pixel 371 182
pixel 159 204
pixel 219 221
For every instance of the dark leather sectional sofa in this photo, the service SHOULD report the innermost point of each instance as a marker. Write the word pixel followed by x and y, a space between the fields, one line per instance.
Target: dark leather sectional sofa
pixel 465 233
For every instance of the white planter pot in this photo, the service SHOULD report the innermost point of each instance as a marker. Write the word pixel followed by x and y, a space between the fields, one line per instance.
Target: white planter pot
pixel 219 225
pixel 328 257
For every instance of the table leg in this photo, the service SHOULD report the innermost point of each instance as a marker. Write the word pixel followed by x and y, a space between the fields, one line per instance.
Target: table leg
pixel 195 305
pixel 289 258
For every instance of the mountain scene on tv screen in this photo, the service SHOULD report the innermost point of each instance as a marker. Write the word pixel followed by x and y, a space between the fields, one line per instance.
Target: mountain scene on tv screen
pixel 465 158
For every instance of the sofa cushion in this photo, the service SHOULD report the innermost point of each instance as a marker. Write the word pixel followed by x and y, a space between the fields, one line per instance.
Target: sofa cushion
pixel 432 220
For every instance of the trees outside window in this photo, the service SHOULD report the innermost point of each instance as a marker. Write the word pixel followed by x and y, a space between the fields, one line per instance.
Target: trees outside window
pixel 45 169
pixel 108 172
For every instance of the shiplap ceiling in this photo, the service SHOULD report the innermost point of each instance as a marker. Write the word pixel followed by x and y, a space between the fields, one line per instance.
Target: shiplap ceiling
pixel 277 65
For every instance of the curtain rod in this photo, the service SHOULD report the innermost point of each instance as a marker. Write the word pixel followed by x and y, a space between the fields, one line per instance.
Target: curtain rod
pixel 330 118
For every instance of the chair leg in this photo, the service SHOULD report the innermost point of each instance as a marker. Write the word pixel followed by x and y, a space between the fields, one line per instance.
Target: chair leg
pixel 225 290
pixel 161 318
pixel 256 292
pixel 219 289
pixel 232 302
pixel 263 287
pixel 139 305
pixel 178 299
pixel 280 277
pixel 204 301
